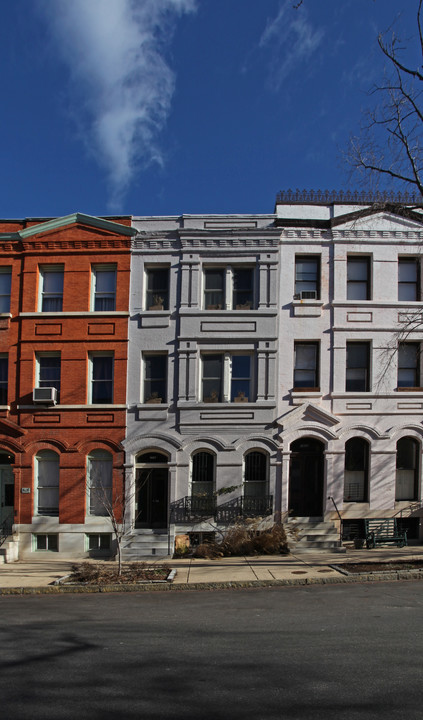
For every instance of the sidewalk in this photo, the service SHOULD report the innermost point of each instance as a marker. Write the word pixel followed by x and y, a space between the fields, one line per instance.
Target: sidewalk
pixel 194 572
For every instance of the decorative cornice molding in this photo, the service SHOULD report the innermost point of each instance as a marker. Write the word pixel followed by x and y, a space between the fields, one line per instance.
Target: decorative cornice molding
pixel 77 218
pixel 325 197
pixel 327 235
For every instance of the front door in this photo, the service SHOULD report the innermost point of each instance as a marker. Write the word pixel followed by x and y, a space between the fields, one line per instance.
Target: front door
pixel 151 497
pixel 6 493
pixel 306 478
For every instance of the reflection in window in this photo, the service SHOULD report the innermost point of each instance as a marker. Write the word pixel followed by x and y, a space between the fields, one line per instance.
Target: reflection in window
pixel 406 484
pixel 47 468
pixel 356 470
pixel 99 481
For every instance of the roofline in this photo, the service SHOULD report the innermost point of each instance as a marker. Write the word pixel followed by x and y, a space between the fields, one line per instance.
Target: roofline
pixel 81 218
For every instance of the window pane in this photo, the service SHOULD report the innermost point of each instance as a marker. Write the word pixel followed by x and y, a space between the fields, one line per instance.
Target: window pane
pixel 357 372
pixel 48 483
pixel 307 270
pixel 3 380
pixel 212 378
pixel 102 379
pixel 243 288
pixel 105 290
pixel 52 290
pixel 241 378
pixel 5 284
pixel 305 362
pixel 408 365
pixel 155 381
pixel 100 478
pixel 356 465
pixel 214 283
pixel 357 279
pixel 157 295
pixel 407 271
pixel 49 372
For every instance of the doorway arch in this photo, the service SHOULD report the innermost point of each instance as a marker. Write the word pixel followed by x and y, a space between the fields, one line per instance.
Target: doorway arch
pixel 151 490
pixel 306 478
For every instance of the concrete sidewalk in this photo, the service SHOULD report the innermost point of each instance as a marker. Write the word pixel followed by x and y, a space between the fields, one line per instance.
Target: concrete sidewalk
pixel 267 569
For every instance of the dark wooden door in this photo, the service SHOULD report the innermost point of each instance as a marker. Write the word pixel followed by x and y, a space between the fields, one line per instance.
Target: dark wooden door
pixel 152 500
pixel 306 478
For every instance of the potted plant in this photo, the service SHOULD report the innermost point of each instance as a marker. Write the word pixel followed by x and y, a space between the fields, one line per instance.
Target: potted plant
pixel 157 303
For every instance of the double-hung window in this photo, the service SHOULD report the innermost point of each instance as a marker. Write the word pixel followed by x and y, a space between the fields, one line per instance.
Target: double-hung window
pixel 5 285
pixel 155 378
pixel 306 365
pixel 4 366
pixel 48 371
pixel 358 278
pixel 101 378
pixel 307 277
pixel 409 365
pixel 358 367
pixel 408 279
pixel 227 377
pixel 230 288
pixel 157 288
pixel 51 282
pixel 104 288
pixel 47 469
pixel 100 482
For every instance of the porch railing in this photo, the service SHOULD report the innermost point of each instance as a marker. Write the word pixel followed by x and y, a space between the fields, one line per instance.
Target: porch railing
pixel 242 507
pixel 6 528
pixel 192 509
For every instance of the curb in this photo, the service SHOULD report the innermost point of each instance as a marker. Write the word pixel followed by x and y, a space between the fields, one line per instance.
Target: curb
pixel 228 585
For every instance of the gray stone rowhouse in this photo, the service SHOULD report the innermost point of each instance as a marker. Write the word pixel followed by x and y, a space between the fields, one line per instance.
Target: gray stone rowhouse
pixel 276 356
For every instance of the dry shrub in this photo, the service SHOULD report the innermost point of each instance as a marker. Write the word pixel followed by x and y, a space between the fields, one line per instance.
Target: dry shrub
pixel 246 537
pixel 102 574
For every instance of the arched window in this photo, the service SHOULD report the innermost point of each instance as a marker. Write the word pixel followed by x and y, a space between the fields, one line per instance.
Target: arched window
pixel 356 470
pixel 202 477
pixel 47 473
pixel 406 483
pixel 100 482
pixel 255 474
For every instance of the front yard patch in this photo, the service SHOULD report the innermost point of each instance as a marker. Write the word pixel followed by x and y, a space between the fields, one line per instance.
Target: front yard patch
pixel 103 574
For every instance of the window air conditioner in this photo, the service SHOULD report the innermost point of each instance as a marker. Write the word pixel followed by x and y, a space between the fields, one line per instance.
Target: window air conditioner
pixel 44 395
pixel 308 295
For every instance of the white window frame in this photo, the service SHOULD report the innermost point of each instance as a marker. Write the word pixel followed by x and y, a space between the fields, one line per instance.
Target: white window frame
pixel 6 270
pixel 47 537
pixel 37 460
pixel 98 549
pixel 103 456
pixel 228 285
pixel 226 381
pixel 95 269
pixel 91 356
pixel 44 270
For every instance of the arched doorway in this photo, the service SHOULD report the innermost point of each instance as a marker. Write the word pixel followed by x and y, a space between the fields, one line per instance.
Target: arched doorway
pixel 306 478
pixel 151 491
pixel 7 487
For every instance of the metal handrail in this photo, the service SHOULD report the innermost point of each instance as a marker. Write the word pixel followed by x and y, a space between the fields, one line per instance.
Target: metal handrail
pixel 416 505
pixel 6 528
pixel 340 519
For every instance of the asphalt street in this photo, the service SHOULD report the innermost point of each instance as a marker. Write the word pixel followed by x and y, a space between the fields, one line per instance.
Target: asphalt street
pixel 346 652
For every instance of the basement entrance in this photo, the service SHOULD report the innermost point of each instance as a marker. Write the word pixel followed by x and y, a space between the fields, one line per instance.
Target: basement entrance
pixel 306 478
pixel 151 495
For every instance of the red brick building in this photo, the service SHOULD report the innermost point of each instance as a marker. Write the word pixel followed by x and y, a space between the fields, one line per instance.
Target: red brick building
pixel 64 298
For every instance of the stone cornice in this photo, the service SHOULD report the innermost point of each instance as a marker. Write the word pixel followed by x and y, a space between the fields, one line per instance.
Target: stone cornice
pixel 370 235
pixel 92 243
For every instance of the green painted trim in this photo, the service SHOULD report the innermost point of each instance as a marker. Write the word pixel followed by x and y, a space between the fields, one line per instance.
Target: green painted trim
pixel 66 220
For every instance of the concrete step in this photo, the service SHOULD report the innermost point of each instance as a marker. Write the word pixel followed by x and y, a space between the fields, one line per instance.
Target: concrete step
pixel 145 544
pixel 9 550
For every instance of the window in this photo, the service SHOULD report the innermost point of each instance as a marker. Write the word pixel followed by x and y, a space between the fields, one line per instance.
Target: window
pixel 255 474
pixel 229 287
pixel 99 542
pixel 409 365
pixel 202 483
pixel 51 279
pixel 307 276
pixel 406 484
pixel 47 469
pixel 101 378
pixel 306 365
pixel 100 482
pixel 227 378
pixel 358 363
pixel 358 278
pixel 356 470
pixel 5 285
pixel 46 542
pixel 4 367
pixel 408 279
pixel 104 286
pixel 155 378
pixel 48 371
pixel 157 284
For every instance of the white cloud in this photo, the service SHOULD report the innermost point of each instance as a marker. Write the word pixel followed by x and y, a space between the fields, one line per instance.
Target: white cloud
pixel 120 83
pixel 292 40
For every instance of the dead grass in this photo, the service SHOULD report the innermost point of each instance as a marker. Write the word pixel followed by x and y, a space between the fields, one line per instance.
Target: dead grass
pixel 102 574
pixel 248 537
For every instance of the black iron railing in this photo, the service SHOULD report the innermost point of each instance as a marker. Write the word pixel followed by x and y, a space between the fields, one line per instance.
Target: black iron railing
pixel 192 509
pixel 242 507
pixel 6 528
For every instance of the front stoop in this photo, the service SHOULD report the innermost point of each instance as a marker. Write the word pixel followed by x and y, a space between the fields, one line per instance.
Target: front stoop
pixel 9 550
pixel 143 544
pixel 312 535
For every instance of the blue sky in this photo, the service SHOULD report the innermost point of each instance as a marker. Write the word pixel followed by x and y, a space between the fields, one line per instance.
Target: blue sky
pixel 151 107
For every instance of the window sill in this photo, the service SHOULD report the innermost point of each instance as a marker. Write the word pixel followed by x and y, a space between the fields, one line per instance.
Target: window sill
pixel 410 389
pixel 307 308
pixel 76 313
pixel 106 406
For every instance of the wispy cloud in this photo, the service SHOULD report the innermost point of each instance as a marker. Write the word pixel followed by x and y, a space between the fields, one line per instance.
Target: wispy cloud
pixel 291 39
pixel 120 83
